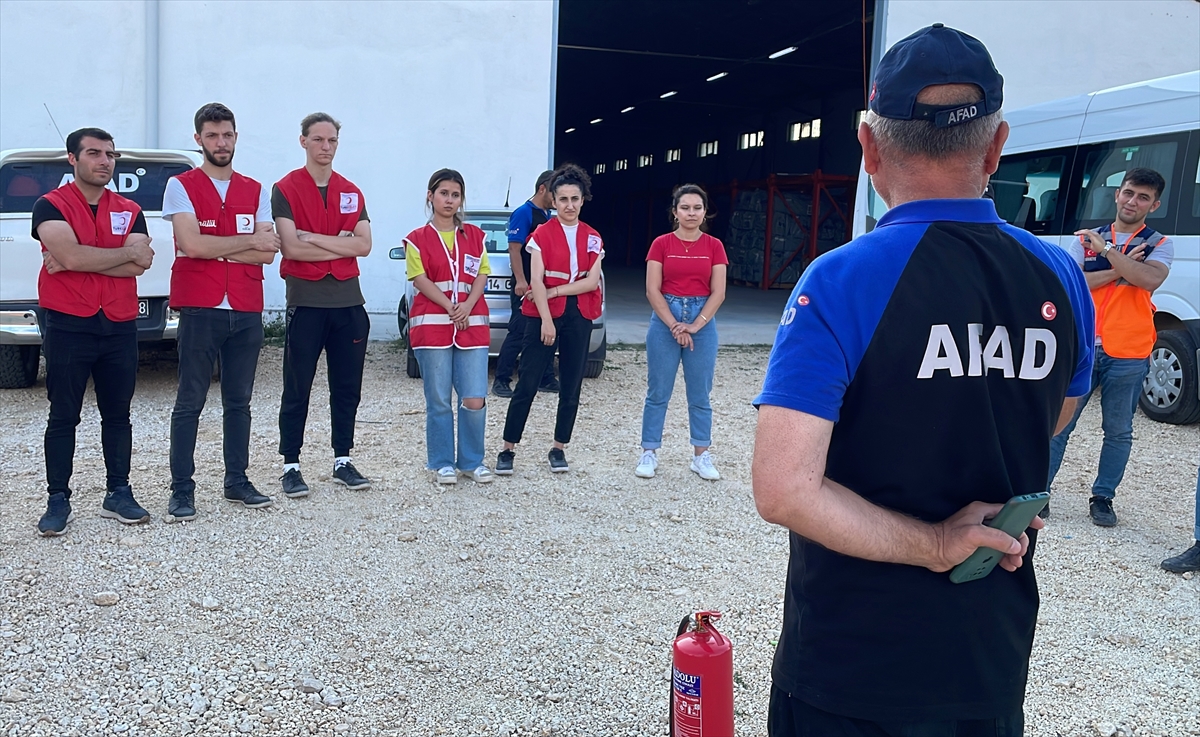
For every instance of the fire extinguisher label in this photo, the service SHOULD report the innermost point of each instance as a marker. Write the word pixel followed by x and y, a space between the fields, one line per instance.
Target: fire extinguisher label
pixel 686 704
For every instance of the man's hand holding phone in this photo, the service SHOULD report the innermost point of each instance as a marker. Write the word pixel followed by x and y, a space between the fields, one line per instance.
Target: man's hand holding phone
pixel 959 536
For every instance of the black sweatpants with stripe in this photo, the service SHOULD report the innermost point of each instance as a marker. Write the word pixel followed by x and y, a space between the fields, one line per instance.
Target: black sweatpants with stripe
pixel 342 333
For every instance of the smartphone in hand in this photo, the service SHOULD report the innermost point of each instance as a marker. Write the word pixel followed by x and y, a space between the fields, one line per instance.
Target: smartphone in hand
pixel 1013 519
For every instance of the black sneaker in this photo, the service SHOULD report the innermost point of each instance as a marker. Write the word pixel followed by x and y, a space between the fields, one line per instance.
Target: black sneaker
pixel 1045 513
pixel 249 496
pixel 1102 512
pixel 550 387
pixel 58 513
pixel 293 484
pixel 182 506
pixel 347 475
pixel 502 388
pixel 120 505
pixel 504 463
pixel 558 461
pixel 1189 560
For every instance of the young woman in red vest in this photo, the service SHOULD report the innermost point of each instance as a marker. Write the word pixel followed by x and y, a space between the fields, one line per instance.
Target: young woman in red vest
pixel 685 283
pixel 449 331
pixel 94 244
pixel 565 295
pixel 323 229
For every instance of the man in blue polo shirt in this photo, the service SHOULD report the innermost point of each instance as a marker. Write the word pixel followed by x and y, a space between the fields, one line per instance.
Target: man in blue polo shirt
pixel 917 377
pixel 521 224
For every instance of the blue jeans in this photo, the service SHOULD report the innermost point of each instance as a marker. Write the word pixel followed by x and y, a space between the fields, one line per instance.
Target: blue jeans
pixel 663 356
pixel 1197 507
pixel 464 370
pixel 1119 381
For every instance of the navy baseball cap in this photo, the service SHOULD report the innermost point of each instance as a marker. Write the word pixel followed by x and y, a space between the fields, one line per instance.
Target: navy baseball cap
pixel 932 56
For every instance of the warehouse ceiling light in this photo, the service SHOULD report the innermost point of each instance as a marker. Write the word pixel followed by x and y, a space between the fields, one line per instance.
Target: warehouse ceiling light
pixel 665 95
pixel 627 109
pixel 717 76
pixel 569 130
pixel 597 120
pixel 782 52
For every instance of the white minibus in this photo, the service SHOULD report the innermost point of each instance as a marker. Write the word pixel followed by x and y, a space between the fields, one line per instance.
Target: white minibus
pixel 1060 171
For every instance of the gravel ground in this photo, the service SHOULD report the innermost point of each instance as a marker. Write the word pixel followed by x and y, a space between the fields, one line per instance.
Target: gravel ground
pixel 538 605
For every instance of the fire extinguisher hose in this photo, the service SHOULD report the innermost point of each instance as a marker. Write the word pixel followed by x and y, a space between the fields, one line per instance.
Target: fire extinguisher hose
pixel 683 625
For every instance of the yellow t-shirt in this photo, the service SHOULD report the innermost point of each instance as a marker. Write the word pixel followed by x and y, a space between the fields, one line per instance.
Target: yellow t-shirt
pixel 412 258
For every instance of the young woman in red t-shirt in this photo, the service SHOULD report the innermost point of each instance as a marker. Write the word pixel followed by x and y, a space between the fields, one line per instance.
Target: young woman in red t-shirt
pixel 685 283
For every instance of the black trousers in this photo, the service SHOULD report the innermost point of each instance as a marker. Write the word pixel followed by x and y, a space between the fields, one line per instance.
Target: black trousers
pixel 792 717
pixel 573 333
pixel 342 333
pixel 204 334
pixel 111 362
pixel 514 342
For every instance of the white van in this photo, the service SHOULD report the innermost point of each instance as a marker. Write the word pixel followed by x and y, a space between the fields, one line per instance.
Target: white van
pixel 1060 171
pixel 27 174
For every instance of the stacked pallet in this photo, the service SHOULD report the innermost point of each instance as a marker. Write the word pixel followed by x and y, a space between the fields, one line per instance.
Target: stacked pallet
pixel 746 239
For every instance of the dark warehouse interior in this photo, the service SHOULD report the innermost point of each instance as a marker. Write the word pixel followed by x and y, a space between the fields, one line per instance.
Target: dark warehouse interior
pixel 756 100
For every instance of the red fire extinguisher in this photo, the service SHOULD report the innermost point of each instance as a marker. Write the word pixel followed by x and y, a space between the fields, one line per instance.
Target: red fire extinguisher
pixel 701 680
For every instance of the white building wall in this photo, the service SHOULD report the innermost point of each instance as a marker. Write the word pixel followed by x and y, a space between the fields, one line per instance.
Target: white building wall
pixel 1048 50
pixel 417 86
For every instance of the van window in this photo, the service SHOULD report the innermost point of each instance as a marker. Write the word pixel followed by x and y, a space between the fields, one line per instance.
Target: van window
pixel 22 182
pixel 1025 189
pixel 1104 166
pixel 1196 192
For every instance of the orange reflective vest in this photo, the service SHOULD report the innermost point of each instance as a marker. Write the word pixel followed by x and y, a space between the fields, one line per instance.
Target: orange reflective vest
pixel 429 325
pixel 1124 312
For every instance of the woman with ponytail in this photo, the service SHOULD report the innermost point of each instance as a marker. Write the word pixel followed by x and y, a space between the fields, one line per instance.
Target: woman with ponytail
pixel 448 329
pixel 685 283
pixel 563 299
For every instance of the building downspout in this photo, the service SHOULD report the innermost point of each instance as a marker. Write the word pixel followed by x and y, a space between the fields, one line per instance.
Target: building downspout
pixel 152 73
pixel 553 82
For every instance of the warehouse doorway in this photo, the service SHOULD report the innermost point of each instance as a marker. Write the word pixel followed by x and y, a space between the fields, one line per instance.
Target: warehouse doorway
pixel 756 100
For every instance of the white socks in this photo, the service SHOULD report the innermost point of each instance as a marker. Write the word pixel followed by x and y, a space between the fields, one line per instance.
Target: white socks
pixel 340 461
pixel 291 467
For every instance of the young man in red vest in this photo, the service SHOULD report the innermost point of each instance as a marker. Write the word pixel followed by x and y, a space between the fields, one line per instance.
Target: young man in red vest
pixel 1123 264
pixel 94 244
pixel 223 236
pixel 324 229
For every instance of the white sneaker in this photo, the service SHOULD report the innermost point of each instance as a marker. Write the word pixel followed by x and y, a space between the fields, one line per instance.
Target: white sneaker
pixel 447 475
pixel 481 475
pixel 646 466
pixel 703 466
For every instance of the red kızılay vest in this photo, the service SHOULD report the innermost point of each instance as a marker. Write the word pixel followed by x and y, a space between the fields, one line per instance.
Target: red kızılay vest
pixel 337 212
pixel 80 293
pixel 1124 312
pixel 556 258
pixel 205 282
pixel 429 326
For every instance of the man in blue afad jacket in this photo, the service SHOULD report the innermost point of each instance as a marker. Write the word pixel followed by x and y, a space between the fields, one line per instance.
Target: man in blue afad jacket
pixel 916 380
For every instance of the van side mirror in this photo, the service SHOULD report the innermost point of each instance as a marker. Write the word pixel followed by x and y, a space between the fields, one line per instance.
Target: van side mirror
pixel 397 253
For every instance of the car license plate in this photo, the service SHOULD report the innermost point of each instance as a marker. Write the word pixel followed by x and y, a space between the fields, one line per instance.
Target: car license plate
pixel 499 284
pixel 143 309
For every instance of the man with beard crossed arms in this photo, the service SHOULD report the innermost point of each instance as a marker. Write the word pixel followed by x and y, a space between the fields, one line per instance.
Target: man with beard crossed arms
pixel 915 382
pixel 223 236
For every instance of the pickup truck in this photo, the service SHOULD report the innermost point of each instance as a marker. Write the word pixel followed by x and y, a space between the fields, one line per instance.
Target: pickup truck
pixel 29 173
